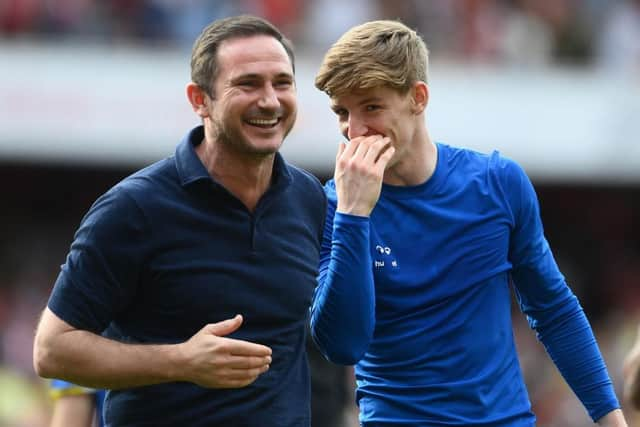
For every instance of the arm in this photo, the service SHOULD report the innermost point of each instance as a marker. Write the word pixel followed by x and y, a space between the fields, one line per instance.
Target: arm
pixel 551 307
pixel 613 419
pixel 207 359
pixel 97 282
pixel 632 375
pixel 343 309
pixel 73 411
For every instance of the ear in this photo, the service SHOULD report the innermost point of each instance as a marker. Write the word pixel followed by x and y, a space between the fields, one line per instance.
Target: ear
pixel 420 97
pixel 198 99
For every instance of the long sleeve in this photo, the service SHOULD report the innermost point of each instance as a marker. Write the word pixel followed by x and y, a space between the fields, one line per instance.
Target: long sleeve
pixel 552 309
pixel 343 308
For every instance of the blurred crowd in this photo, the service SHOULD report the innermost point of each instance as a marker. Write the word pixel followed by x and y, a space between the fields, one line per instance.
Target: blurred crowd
pixel 519 32
pixel 595 233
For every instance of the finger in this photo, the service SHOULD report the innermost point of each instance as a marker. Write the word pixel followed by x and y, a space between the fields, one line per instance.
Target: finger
pixel 245 374
pixel 246 348
pixel 236 383
pixel 382 162
pixel 350 148
pixel 241 375
pixel 345 152
pixel 371 146
pixel 364 146
pixel 377 148
pixel 224 327
pixel 247 362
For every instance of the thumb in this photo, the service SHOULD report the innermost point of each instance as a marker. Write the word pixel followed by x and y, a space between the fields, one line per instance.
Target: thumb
pixel 225 327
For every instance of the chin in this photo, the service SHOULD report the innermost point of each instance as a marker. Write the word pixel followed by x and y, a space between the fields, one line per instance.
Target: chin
pixel 264 149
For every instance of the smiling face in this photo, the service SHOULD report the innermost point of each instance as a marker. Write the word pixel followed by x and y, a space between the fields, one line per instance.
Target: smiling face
pixel 254 102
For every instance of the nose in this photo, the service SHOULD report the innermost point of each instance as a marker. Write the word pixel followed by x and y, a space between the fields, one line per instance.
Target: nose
pixel 354 127
pixel 269 98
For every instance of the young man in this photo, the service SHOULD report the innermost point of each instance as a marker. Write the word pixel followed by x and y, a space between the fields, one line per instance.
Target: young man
pixel 187 287
pixel 75 406
pixel 421 244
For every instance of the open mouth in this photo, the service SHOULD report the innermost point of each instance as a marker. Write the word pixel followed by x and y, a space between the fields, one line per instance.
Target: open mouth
pixel 263 123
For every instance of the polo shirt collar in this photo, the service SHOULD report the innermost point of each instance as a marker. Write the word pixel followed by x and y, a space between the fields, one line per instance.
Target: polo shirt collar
pixel 190 168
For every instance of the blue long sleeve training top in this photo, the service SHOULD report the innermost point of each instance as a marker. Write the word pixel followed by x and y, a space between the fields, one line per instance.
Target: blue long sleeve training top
pixel 418 296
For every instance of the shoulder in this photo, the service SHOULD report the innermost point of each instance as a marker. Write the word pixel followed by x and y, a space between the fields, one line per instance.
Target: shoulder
pixel 136 190
pixel 151 178
pixel 306 195
pixel 493 164
pixel 471 158
pixel 130 198
pixel 306 181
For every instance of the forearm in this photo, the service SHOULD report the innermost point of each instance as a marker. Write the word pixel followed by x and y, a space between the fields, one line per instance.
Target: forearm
pixel 573 348
pixel 91 360
pixel 342 321
pixel 557 317
pixel 343 311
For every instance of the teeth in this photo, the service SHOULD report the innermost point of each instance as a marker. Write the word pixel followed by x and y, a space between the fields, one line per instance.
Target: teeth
pixel 263 122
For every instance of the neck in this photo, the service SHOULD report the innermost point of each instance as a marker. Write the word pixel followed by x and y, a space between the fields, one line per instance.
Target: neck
pixel 246 177
pixel 415 162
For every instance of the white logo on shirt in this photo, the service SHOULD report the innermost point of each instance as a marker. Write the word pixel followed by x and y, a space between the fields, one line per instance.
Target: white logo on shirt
pixel 384 252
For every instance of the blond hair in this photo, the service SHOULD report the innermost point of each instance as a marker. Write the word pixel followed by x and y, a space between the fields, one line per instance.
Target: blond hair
pixel 377 53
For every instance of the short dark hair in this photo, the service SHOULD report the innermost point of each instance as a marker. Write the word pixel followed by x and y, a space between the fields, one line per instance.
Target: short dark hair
pixel 204 56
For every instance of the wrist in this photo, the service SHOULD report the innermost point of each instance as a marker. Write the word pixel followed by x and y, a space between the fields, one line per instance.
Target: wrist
pixel 174 370
pixel 353 211
pixel 613 419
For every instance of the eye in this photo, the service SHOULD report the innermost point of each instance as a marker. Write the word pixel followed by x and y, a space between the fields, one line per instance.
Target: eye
pixel 372 107
pixel 340 112
pixel 283 84
pixel 247 83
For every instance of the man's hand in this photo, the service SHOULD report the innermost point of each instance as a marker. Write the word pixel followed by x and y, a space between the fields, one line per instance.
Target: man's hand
pixel 360 166
pixel 213 361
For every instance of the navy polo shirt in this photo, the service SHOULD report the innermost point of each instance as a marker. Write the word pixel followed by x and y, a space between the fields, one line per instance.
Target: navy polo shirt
pixel 168 250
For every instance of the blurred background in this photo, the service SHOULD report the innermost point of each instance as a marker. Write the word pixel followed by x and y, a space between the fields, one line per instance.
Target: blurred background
pixel 91 90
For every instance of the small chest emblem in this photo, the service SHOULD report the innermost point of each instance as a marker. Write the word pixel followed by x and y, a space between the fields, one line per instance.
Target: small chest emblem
pixel 383 258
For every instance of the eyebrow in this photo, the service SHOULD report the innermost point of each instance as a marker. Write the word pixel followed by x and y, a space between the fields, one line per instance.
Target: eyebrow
pixel 253 76
pixel 369 100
